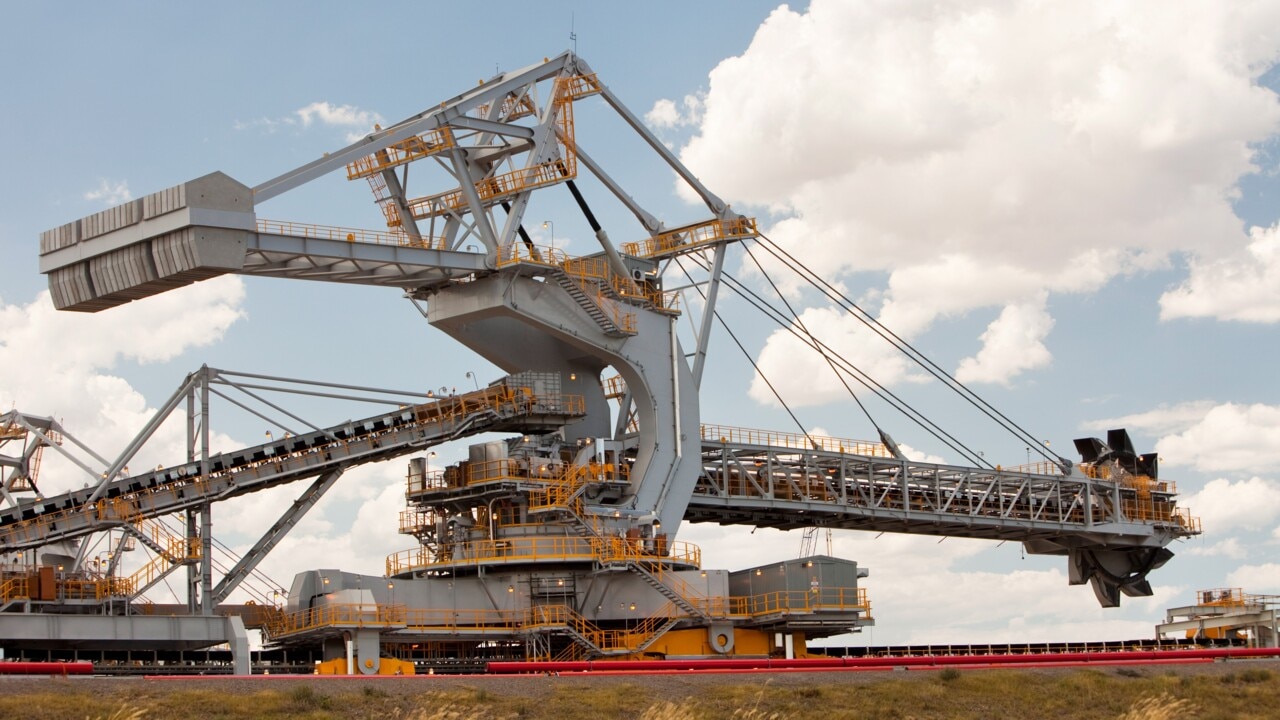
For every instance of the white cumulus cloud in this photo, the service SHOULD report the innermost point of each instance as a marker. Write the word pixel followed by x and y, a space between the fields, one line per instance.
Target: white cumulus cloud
pixel 356 121
pixel 981 154
pixel 65 365
pixel 110 192
pixel 1229 548
pixel 1012 344
pixel 1261 578
pixel 663 114
pixel 1243 286
pixel 1228 438
pixel 666 114
pixel 61 364
pixel 1163 420
pixel 341 115
pixel 1225 506
pixel 803 377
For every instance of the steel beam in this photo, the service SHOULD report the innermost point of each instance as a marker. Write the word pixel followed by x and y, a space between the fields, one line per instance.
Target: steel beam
pixel 307 500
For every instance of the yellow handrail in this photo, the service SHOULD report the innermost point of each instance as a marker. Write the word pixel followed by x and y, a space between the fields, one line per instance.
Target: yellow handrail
pixel 422 145
pixel 771 438
pixel 692 237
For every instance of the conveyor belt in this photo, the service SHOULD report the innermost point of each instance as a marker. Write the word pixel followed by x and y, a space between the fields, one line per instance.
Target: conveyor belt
pixel 374 439
pixel 769 486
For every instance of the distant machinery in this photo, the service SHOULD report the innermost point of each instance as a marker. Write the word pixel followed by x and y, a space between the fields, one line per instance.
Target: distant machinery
pixel 1226 614
pixel 558 542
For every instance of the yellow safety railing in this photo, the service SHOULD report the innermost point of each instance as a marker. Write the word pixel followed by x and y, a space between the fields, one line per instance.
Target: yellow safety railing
pixel 417 520
pixel 513 107
pixel 555 476
pixel 625 321
pixel 606 640
pixel 495 188
pixel 614 387
pixel 423 145
pixel 576 87
pixel 770 438
pixel 1221 597
pixel 1183 517
pixel 77 587
pixel 520 253
pixel 562 548
pixel 12 431
pixel 432 480
pixel 180 549
pixel 691 237
pixel 525 549
pixel 351 235
pixel 15 588
pixel 358 615
pixel 593 274
pixel 456 620
pixel 1043 467
pixel 818 599
pixel 658 565
pixel 497 398
pixel 530 177
pixel 617 549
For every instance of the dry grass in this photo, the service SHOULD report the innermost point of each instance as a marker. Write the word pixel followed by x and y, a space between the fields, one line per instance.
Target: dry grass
pixel 1162 707
pixel 1155 694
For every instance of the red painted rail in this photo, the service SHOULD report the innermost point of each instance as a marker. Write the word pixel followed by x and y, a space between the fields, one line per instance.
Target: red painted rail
pixel 920 662
pixel 46 668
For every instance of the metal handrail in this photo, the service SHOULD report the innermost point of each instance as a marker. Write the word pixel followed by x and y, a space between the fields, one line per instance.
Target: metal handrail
pixel 771 438
pixel 692 236
pixel 343 234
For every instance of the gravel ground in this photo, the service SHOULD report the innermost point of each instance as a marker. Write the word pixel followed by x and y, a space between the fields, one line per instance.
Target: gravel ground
pixel 534 687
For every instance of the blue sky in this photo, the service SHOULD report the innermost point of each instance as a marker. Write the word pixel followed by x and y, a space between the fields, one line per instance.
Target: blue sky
pixel 1053 199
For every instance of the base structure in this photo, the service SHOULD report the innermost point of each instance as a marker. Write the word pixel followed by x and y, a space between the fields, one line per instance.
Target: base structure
pixel 519 559
pixel 50 632
pixel 1226 614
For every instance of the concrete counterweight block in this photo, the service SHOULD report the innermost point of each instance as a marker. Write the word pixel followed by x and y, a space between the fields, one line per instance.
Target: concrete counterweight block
pixel 165 240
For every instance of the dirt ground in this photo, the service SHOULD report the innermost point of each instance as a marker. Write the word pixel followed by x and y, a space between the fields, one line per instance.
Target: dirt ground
pixel 535 687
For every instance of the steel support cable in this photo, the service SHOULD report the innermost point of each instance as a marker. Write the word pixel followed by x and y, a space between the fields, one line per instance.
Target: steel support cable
pixel 255 574
pixel 752 360
pixel 821 348
pixel 905 347
pixel 866 381
pixel 853 371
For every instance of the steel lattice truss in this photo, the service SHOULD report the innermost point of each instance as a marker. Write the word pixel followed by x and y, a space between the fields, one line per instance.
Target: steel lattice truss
pixel 753 484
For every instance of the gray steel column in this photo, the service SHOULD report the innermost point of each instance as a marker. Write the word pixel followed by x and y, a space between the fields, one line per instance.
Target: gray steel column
pixel 206 510
pixel 467 185
pixel 193 575
pixel 708 314
pixel 193 578
pixel 407 221
pixel 275 534
pixel 238 639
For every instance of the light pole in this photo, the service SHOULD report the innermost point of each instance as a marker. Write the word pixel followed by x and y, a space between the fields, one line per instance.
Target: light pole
pixel 549 224
pixel 474 379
